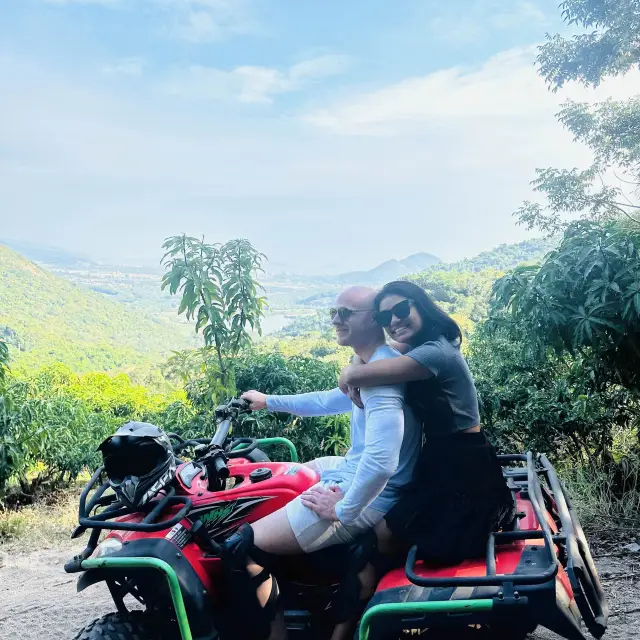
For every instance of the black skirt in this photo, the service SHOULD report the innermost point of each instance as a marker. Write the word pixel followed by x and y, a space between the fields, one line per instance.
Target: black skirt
pixel 458 497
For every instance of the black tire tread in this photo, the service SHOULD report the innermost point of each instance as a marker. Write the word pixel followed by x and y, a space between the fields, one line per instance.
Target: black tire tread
pixel 118 626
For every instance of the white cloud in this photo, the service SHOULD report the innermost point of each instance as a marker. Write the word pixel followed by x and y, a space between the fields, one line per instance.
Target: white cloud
pixel 131 67
pixel 116 171
pixel 105 3
pixel 478 21
pixel 504 91
pixel 199 21
pixel 251 84
pixel 194 21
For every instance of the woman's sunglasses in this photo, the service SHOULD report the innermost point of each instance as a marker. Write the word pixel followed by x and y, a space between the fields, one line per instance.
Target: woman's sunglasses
pixel 344 313
pixel 400 311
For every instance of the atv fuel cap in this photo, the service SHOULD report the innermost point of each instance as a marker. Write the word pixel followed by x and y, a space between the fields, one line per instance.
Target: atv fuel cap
pixel 258 475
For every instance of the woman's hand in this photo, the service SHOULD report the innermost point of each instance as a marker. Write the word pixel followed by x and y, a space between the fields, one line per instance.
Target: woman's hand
pixel 347 388
pixel 258 400
pixel 354 395
pixel 323 501
pixel 343 380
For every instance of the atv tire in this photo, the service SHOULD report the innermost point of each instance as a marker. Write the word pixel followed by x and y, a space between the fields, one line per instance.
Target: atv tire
pixel 119 626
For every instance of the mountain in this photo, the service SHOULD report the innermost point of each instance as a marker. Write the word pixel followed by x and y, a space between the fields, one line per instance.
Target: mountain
pixel 503 257
pixel 389 270
pixel 47 319
pixel 53 256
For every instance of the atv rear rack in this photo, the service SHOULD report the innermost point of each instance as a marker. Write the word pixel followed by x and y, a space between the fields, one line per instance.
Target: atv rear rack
pixel 575 557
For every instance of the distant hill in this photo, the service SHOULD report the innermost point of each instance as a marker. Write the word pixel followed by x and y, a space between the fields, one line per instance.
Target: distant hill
pixel 389 270
pixel 503 257
pixel 48 319
pixel 54 256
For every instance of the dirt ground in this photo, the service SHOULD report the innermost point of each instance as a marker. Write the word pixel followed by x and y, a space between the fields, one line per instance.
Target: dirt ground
pixel 38 600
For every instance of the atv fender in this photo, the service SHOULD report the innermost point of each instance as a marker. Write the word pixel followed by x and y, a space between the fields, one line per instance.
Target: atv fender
pixel 198 605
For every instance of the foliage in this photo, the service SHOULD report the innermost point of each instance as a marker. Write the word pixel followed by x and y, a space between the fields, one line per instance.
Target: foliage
pixel 45 319
pixel 463 293
pixel 609 47
pixel 545 401
pixel 501 258
pixel 318 321
pixel 272 373
pixel 218 290
pixel 52 421
pixel 4 360
pixel 585 296
pixel 611 130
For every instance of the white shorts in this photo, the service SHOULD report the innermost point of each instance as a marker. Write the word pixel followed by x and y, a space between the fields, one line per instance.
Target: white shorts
pixel 313 532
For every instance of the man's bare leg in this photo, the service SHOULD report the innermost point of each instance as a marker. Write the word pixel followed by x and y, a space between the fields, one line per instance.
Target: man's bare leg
pixel 368 578
pixel 273 534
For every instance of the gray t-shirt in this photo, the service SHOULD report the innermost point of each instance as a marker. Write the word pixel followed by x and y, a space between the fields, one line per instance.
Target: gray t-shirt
pixel 448 401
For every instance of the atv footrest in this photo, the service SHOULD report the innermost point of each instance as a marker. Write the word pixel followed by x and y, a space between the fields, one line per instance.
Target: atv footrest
pixel 403 615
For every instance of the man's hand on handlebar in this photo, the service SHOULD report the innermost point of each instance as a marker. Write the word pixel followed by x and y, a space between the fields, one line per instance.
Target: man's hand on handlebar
pixel 258 400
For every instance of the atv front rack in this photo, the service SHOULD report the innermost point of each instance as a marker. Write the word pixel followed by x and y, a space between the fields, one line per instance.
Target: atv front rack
pixel 90 518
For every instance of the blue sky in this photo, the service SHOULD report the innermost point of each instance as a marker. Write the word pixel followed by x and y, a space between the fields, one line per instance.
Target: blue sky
pixel 333 135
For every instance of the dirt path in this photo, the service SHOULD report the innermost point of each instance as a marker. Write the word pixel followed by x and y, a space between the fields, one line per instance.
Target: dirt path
pixel 38 600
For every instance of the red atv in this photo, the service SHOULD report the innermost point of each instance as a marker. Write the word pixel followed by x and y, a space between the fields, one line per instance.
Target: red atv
pixel 537 571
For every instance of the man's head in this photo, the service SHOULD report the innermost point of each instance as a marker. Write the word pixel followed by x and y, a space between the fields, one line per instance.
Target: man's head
pixel 352 318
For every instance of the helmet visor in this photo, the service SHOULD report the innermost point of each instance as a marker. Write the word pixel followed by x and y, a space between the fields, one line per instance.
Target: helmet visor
pixel 124 456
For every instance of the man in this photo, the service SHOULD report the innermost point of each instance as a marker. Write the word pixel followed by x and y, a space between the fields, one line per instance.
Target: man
pixel 355 492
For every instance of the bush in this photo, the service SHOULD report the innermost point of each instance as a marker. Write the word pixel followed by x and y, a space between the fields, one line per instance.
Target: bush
pixel 275 374
pixel 547 402
pixel 52 422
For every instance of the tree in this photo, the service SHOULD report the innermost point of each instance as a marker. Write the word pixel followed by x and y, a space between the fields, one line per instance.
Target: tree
pixel 4 359
pixel 533 398
pixel 611 130
pixel 218 290
pixel 584 299
pixel 611 45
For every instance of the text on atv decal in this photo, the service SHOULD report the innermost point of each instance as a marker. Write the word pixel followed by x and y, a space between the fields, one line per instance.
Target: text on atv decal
pixel 222 516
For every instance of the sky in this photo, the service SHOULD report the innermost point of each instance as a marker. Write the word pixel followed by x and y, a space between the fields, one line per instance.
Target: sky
pixel 333 135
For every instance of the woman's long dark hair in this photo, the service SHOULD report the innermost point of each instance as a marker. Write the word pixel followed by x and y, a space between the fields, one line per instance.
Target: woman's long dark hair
pixel 435 322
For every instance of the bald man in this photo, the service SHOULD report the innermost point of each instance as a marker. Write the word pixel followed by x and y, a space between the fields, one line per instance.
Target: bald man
pixel 355 491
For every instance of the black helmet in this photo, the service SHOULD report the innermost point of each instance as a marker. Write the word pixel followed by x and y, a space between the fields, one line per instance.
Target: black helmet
pixel 139 462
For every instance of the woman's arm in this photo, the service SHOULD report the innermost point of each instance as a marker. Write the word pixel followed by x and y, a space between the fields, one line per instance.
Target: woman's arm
pixel 402 347
pixel 381 372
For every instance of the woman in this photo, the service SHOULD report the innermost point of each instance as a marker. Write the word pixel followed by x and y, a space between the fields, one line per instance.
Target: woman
pixel 458 495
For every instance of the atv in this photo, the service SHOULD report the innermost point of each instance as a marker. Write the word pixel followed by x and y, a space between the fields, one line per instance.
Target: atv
pixel 166 557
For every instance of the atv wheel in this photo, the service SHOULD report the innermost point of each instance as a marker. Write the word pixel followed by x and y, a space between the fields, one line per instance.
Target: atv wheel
pixel 119 626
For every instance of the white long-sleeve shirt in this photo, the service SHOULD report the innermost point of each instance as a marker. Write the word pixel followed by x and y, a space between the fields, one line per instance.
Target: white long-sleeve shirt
pixel 385 442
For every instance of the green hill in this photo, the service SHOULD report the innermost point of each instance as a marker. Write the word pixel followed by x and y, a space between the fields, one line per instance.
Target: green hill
pixel 47 319
pixel 502 257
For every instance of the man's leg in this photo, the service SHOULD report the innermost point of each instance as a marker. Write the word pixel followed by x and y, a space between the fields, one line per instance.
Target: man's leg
pixel 369 576
pixel 326 463
pixel 272 534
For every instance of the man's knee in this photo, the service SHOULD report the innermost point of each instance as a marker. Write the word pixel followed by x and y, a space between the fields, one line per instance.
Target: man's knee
pixel 251 587
pixel 311 465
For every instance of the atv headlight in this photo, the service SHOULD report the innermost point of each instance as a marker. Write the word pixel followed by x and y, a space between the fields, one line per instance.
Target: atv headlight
pixel 107 547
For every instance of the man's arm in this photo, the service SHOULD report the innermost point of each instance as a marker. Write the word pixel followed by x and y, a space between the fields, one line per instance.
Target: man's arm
pixel 316 403
pixel 383 439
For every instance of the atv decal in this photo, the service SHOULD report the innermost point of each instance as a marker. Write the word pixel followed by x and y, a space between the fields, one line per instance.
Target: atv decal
pixel 292 470
pixel 223 517
pixel 179 535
